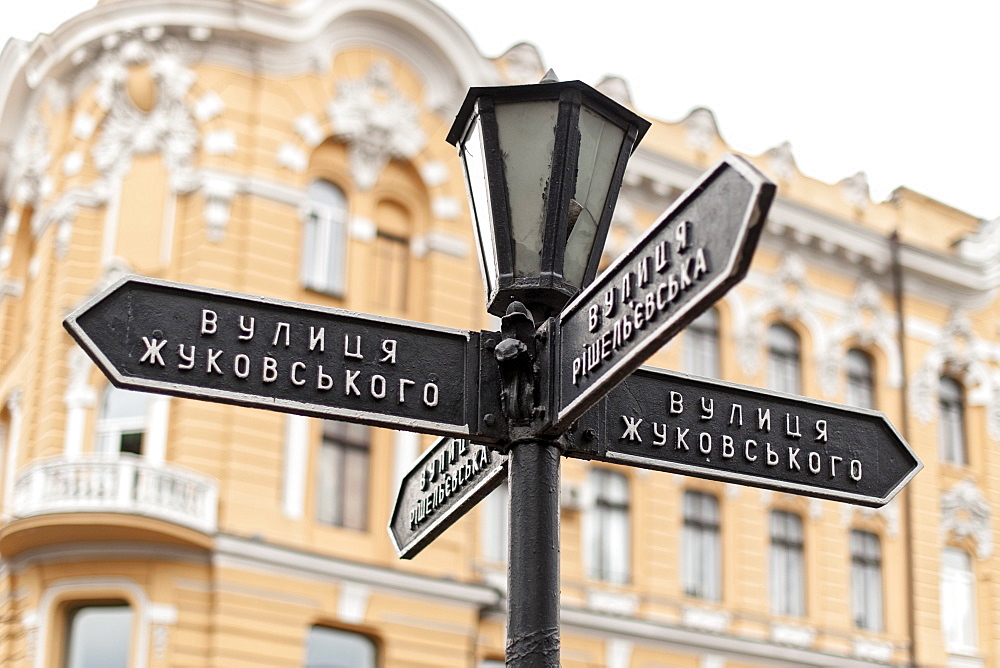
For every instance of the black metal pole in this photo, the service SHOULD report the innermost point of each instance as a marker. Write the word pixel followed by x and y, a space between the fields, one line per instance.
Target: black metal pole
pixel 533 566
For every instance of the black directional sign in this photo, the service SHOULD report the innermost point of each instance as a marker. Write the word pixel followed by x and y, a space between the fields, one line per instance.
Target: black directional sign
pixel 710 429
pixel 443 484
pixel 689 258
pixel 188 341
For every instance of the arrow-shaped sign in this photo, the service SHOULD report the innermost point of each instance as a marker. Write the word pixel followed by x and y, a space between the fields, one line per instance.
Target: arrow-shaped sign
pixel 444 483
pixel 689 258
pixel 712 429
pixel 188 341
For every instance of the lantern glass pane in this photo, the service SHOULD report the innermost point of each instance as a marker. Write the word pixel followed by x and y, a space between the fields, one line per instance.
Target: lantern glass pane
pixel 474 159
pixel 600 144
pixel 527 138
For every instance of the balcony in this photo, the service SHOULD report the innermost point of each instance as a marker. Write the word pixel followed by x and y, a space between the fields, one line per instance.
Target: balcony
pixel 99 498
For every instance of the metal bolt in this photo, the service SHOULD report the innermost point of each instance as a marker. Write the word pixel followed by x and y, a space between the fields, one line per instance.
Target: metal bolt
pixel 541 336
pixel 589 434
pixel 490 419
pixel 490 345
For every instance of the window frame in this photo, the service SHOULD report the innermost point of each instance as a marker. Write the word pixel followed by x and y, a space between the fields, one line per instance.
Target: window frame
pixel 376 650
pixel 609 544
pixel 324 238
pixel 702 345
pixel 68 609
pixel 784 359
pixel 859 378
pixel 867 581
pixel 352 440
pixel 111 430
pixel 952 432
pixel 701 546
pixel 959 583
pixel 786 559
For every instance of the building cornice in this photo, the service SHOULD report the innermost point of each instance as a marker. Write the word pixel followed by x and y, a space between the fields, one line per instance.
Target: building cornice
pixel 235 552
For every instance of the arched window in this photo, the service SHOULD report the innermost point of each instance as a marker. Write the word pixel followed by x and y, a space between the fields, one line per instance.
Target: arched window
pixel 951 421
pixel 860 379
pixel 98 635
pixel 958 601
pixel 121 426
pixel 788 570
pixel 609 536
pixel 324 238
pixel 866 580
pixel 701 345
pixel 331 648
pixel 784 364
pixel 701 562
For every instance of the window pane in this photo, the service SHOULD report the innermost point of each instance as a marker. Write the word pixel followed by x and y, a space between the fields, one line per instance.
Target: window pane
pixel 610 538
pixel 391 270
pixel 324 238
pixel 951 421
pixel 866 580
pixel 787 565
pixel 342 475
pixel 701 563
pixel 495 521
pixel 701 345
pixel 783 369
pixel 958 600
pixel 860 379
pixel 333 648
pixel 99 635
pixel 122 421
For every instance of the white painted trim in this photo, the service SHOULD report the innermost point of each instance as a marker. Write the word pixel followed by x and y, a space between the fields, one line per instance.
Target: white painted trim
pixel 157 425
pixel 294 484
pixel 235 552
pixel 87 587
pixel 13 448
pixel 689 640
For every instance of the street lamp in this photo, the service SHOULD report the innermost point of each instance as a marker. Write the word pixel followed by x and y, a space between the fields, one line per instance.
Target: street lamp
pixel 544 164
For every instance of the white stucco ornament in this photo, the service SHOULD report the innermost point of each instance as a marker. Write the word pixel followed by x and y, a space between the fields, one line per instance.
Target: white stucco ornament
pixel 168 128
pixel 376 122
pixel 965 513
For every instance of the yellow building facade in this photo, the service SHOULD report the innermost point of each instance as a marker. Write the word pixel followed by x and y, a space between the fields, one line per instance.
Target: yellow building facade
pixel 297 151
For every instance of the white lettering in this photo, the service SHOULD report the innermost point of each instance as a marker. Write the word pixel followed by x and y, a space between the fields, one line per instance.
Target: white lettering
pixel 349 378
pixel 430 395
pixel 356 353
pixel 213 355
pixel 323 381
pixel 296 380
pixel 247 331
pixel 241 366
pixel 821 431
pixel 631 429
pixel 153 348
pixel 277 333
pixel 378 386
pixel 389 348
pixel 317 337
pixel 188 359
pixel 209 321
pixel 269 372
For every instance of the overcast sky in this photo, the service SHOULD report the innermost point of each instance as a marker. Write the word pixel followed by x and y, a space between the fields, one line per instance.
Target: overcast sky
pixel 906 91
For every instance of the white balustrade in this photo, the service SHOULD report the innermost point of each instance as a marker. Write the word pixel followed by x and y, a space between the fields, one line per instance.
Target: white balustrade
pixel 125 484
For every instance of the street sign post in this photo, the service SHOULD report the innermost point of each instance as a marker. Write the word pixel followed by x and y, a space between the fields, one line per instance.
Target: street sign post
pixel 673 422
pixel 444 483
pixel 698 249
pixel 171 338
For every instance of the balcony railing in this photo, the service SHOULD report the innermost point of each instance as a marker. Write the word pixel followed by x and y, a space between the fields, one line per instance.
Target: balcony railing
pixel 126 484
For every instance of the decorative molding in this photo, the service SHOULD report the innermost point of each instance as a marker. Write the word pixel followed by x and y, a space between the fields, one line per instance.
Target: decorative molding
pixel 704 619
pixel 446 208
pixel 618 653
pixel 72 164
pixel 792 300
pixel 867 322
pixel 781 162
pixel 872 650
pixel 434 173
pixel 701 129
pixel 612 603
pixel 208 106
pixel 218 198
pixel 617 89
pixel 376 122
pixel 794 635
pixel 438 242
pixel 31 159
pixel 958 353
pixel 966 513
pixel 521 64
pixel 856 191
pixel 292 157
pixel 220 142
pixel 307 127
pixel 362 229
pixel 352 605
